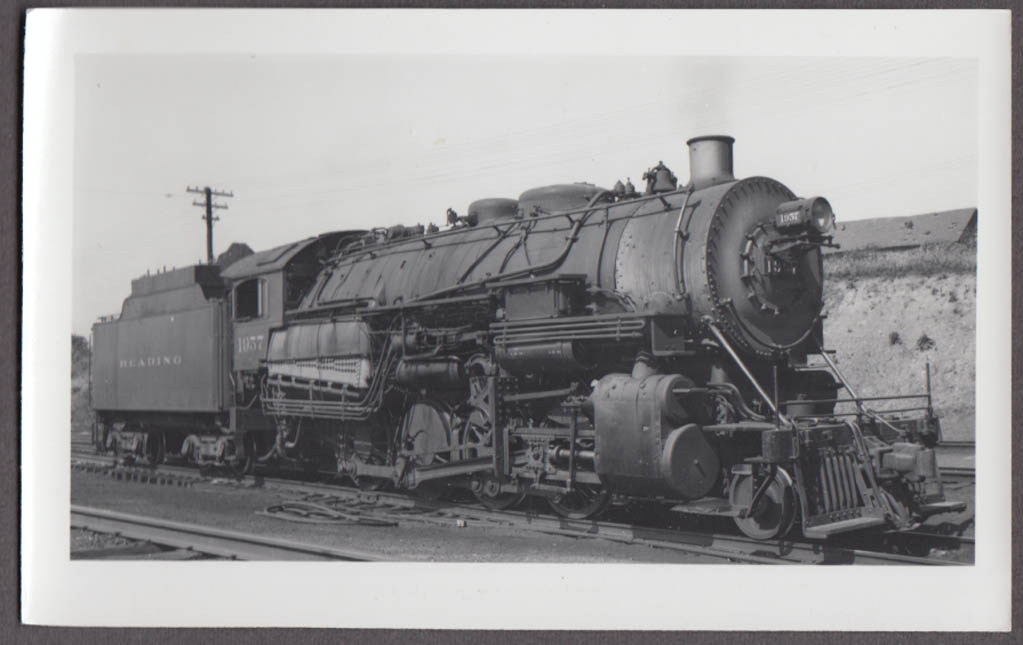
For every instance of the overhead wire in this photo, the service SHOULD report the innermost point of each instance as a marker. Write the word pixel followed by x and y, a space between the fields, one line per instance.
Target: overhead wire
pixel 551 151
pixel 596 123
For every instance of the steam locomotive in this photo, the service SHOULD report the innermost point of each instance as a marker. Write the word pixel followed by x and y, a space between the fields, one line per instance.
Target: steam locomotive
pixel 578 344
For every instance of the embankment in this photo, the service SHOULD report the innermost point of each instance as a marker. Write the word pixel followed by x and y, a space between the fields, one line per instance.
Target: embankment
pixel 889 313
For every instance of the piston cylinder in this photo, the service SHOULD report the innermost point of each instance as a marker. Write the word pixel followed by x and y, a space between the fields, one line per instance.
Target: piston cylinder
pixel 643 442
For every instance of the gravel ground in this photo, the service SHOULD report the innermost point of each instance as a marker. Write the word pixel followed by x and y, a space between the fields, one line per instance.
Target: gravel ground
pixel 89 545
pixel 82 540
pixel 233 508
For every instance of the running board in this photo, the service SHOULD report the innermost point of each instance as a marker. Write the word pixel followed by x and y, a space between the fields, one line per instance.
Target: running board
pixel 824 531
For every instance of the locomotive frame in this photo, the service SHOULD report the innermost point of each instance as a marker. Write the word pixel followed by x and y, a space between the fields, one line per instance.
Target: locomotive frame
pixel 578 344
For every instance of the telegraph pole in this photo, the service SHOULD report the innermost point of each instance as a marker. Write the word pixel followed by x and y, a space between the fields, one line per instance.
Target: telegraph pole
pixel 209 194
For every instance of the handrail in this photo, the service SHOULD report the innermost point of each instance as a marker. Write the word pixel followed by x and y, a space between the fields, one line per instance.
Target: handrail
pixel 873 413
pixel 866 398
pixel 536 218
pixel 677 247
pixel 842 379
pixel 859 402
pixel 749 375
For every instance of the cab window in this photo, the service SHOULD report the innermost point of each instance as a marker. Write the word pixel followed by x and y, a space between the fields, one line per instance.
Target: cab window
pixel 250 299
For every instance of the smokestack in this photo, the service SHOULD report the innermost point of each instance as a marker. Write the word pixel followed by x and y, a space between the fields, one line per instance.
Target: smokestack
pixel 710 160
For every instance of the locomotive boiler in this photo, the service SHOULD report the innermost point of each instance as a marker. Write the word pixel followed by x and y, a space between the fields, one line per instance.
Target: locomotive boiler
pixel 578 344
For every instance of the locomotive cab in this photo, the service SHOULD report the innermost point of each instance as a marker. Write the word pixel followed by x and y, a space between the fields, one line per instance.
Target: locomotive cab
pixel 263 286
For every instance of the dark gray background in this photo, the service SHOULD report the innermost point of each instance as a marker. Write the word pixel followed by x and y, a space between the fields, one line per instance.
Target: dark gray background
pixel 12 22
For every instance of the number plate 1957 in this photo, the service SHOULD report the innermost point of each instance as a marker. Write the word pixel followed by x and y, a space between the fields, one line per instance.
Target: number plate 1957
pixel 785 219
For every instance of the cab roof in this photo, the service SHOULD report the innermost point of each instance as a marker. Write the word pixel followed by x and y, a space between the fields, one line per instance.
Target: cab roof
pixel 278 257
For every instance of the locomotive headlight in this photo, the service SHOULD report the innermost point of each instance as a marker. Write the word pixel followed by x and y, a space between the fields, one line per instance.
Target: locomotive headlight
pixel 821 215
pixel 811 213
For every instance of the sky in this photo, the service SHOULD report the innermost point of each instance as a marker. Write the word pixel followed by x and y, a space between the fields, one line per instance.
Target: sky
pixel 314 143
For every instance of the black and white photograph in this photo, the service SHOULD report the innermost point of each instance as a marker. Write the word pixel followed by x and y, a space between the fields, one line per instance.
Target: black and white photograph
pixel 539 311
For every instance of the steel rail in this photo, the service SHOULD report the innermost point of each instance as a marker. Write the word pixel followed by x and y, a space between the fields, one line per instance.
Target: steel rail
pixel 940 537
pixel 957 449
pixel 717 545
pixel 957 444
pixel 958 472
pixel 202 539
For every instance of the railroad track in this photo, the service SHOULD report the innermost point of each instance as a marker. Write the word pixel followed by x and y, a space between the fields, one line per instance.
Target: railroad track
pixel 201 539
pixel 350 504
pixel 318 502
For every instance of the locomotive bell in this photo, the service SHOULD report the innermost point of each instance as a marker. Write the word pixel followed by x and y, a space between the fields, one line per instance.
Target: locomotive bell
pixel 710 160
pixel 660 179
